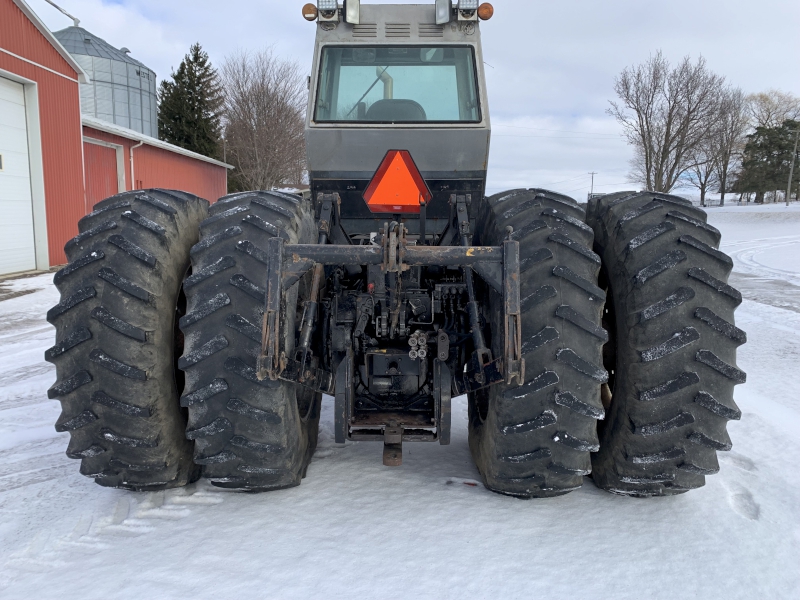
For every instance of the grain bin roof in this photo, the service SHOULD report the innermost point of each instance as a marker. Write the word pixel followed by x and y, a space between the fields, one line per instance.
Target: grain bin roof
pixel 79 41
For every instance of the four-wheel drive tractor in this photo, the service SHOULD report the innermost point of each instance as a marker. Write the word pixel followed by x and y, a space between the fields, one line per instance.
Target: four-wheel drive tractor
pixel 198 341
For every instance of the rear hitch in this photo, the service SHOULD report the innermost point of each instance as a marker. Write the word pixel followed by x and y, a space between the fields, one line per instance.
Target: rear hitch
pixel 393 445
pixel 498 266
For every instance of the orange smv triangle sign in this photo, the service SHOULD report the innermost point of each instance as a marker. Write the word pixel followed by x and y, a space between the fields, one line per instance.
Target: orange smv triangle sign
pixel 398 186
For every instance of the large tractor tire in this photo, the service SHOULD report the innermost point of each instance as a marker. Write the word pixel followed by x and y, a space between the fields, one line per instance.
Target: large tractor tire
pixel 672 354
pixel 249 434
pixel 535 440
pixel 118 342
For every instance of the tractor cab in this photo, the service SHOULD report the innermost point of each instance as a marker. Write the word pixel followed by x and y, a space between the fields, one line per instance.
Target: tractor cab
pixel 397 78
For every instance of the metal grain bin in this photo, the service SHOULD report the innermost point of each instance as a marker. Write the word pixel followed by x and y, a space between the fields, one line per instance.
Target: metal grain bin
pixel 122 90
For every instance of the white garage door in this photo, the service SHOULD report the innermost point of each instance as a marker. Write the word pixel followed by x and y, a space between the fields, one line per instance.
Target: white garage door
pixel 16 212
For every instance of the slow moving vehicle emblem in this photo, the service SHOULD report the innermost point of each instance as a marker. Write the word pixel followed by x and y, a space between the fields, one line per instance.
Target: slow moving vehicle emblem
pixel 397 186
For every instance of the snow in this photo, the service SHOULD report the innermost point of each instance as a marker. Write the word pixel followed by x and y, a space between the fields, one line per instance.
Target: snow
pixel 428 529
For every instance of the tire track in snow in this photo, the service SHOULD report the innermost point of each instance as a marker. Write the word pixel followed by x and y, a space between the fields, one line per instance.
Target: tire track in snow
pixel 744 255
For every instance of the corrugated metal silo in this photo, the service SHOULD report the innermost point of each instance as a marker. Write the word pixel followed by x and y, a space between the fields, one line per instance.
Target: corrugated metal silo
pixel 122 91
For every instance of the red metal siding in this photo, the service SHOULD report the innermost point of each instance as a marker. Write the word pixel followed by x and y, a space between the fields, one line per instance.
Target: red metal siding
pixel 100 164
pixel 60 122
pixel 20 36
pixel 154 167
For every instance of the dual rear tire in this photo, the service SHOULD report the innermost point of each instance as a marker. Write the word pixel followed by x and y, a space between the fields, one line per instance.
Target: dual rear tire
pixel 630 352
pixel 672 356
pixel 248 434
pixel 535 440
pixel 117 340
pixel 157 336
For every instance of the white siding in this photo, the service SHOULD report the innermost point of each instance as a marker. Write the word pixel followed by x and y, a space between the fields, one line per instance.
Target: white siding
pixel 17 250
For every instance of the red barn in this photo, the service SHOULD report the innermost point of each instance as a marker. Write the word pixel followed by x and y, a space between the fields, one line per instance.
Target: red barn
pixel 118 159
pixel 54 163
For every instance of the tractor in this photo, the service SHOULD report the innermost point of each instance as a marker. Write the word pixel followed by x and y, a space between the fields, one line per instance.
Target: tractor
pixel 197 340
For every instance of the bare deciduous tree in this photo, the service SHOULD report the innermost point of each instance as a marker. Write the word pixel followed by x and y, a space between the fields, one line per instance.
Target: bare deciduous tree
pixel 265 103
pixel 666 113
pixel 730 133
pixel 704 172
pixel 772 108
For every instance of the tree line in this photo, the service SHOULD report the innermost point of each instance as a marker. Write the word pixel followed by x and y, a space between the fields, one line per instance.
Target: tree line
pixel 249 113
pixel 689 127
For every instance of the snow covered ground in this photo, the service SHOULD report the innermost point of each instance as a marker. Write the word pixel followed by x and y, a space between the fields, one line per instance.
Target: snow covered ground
pixel 356 529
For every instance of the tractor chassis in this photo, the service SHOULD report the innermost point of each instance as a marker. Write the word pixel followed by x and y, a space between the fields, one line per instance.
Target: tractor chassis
pixel 287 263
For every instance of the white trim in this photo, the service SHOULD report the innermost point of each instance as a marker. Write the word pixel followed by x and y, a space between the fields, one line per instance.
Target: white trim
pixel 35 64
pixel 83 77
pixel 36 166
pixel 120 154
pixel 130 134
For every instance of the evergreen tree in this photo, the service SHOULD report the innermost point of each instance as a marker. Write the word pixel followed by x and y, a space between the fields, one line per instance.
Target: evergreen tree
pixel 190 104
pixel 766 160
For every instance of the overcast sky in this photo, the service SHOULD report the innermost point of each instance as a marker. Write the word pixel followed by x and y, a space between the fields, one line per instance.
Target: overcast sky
pixel 551 64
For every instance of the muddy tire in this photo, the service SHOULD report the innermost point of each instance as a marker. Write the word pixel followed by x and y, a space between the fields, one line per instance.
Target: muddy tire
pixel 248 434
pixel 672 356
pixel 115 351
pixel 534 440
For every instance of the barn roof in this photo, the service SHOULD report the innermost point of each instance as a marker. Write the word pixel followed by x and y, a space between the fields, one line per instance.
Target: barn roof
pixel 130 134
pixel 37 22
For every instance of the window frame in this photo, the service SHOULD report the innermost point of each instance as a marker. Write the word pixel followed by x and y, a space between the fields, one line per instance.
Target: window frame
pixel 354 122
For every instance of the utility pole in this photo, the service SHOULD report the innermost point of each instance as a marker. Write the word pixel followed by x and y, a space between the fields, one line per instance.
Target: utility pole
pixel 592 192
pixel 791 168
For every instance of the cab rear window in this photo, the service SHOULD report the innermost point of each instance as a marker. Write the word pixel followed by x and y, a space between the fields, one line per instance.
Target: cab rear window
pixel 397 84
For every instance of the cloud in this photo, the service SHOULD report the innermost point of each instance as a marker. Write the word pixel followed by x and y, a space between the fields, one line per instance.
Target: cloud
pixel 552 64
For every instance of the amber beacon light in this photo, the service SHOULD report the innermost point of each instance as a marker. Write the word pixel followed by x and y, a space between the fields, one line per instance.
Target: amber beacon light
pixel 309 12
pixel 485 11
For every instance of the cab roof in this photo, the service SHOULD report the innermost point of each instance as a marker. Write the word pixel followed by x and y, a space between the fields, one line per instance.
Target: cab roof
pixel 413 24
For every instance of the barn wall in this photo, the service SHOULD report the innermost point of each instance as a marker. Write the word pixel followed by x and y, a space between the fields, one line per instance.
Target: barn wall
pixel 155 167
pixel 100 172
pixel 60 123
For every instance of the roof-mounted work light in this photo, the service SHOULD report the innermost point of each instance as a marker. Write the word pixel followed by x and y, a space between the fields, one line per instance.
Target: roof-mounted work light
pixel 467 10
pixel 352 11
pixel 328 10
pixel 444 11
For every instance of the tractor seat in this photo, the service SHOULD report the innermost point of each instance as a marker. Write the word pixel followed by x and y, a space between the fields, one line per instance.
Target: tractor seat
pixel 396 110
